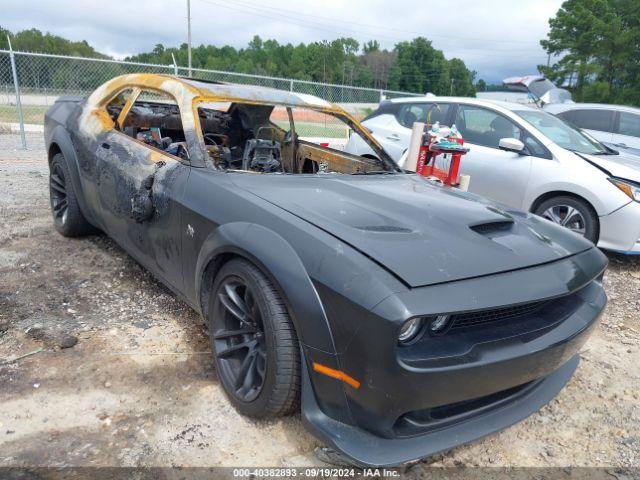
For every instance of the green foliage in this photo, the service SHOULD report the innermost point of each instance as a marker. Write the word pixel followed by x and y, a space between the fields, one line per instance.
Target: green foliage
pixel 34 40
pixel 598 42
pixel 413 66
pixel 461 78
pixel 421 68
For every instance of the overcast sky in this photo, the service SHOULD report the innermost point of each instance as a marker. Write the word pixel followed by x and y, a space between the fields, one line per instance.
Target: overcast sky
pixel 497 38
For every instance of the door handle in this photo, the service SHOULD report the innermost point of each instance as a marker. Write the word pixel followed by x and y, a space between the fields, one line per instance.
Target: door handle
pixel 621 145
pixel 106 146
pixel 393 136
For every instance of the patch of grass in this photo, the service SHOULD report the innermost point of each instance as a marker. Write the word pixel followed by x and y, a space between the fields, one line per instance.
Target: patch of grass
pixel 316 129
pixel 32 114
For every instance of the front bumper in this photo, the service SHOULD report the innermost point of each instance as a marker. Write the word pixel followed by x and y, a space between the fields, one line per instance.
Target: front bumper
pixel 369 450
pixel 431 397
pixel 620 230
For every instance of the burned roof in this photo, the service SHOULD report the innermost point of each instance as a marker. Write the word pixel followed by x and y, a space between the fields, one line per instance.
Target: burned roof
pixel 187 90
pixel 256 93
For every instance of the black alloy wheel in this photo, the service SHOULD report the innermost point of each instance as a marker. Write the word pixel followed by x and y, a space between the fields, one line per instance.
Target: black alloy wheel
pixel 67 217
pixel 254 342
pixel 240 342
pixel 58 194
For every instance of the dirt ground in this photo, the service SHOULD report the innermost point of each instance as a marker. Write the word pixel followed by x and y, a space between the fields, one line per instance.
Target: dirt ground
pixel 139 388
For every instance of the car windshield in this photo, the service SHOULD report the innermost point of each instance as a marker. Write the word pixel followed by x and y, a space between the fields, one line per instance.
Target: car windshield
pixel 540 87
pixel 562 133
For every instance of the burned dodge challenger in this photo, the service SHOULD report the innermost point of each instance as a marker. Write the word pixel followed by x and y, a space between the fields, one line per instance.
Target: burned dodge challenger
pixel 402 317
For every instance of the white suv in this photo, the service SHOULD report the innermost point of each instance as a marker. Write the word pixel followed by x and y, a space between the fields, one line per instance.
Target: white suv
pixel 555 170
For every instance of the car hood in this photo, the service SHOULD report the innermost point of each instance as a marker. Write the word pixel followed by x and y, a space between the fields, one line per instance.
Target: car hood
pixel 635 152
pixel 624 165
pixel 421 232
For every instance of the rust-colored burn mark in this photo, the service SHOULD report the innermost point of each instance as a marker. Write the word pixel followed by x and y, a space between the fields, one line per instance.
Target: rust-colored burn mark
pixel 190 94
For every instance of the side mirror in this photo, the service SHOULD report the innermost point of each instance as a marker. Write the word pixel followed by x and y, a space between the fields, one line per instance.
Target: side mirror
pixel 511 145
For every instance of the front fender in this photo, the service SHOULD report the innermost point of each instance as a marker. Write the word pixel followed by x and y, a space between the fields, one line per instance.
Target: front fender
pixel 279 261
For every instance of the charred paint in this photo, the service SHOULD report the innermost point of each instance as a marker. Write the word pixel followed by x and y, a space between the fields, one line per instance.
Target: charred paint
pixel 189 94
pixel 133 188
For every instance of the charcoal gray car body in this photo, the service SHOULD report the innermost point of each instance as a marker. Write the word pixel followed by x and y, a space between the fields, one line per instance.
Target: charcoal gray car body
pixel 354 256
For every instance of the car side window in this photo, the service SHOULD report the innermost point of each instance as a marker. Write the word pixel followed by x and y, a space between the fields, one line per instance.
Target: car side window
pixel 485 127
pixel 155 120
pixel 115 106
pixel 534 147
pixel 592 119
pixel 408 113
pixel 629 124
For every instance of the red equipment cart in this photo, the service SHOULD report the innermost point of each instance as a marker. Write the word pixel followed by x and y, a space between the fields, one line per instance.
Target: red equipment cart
pixel 428 166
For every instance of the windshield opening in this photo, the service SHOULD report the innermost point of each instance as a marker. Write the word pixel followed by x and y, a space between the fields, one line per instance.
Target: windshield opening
pixel 562 133
pixel 262 138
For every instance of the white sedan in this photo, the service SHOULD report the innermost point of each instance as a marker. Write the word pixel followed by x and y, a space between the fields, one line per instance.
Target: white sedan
pixel 528 159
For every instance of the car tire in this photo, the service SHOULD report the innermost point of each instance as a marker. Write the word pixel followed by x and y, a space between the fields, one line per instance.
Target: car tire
pixel 573 213
pixel 254 342
pixel 67 217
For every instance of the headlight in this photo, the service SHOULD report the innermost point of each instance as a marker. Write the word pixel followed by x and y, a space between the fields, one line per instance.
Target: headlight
pixel 631 189
pixel 439 324
pixel 410 330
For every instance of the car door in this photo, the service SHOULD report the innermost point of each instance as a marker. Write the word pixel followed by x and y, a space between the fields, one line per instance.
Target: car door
pixel 496 174
pixel 87 140
pixel 141 184
pixel 627 131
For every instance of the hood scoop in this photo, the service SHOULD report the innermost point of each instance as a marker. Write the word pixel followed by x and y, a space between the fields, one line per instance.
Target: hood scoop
pixel 384 229
pixel 491 229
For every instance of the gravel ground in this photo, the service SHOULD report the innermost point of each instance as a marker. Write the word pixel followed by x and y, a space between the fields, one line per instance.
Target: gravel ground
pixel 139 388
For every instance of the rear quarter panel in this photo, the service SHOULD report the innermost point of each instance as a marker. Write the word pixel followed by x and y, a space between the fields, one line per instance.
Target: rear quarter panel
pixel 61 134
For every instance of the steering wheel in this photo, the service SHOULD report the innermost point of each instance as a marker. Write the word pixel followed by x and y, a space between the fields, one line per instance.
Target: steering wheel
pixel 210 139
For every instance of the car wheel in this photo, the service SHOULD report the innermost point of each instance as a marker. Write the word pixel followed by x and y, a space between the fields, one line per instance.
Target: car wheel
pixel 67 217
pixel 254 342
pixel 572 213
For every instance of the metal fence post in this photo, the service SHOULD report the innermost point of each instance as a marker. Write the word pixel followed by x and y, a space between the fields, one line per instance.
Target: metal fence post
pixel 291 85
pixel 17 87
pixel 175 64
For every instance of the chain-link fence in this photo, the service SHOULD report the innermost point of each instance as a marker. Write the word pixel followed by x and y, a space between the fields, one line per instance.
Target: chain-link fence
pixel 8 111
pixel 42 78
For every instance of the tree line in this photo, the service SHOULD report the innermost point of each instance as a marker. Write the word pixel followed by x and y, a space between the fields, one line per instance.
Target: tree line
pixel 411 66
pixel 595 48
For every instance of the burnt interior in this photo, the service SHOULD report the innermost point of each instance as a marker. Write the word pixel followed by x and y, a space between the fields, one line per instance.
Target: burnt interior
pixel 241 138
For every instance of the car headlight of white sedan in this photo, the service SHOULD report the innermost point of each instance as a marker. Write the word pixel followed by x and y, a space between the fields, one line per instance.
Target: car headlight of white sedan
pixel 631 189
